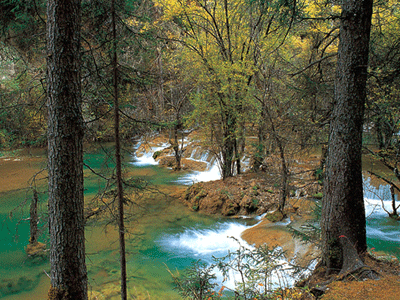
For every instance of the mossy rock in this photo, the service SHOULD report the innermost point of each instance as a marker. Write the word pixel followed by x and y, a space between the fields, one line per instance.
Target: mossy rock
pixel 276 216
pixel 157 154
pixel 318 195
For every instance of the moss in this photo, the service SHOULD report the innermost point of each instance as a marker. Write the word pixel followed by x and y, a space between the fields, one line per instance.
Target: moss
pixel 317 195
pixel 276 216
pixel 226 194
pixel 157 154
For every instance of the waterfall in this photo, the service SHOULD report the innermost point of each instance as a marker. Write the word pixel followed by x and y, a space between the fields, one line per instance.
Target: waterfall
pixel 382 231
pixel 205 243
pixel 213 173
pixel 375 197
pixel 146 158
pixel 219 240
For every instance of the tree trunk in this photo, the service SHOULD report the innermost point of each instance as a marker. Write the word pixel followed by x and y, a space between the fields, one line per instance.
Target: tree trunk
pixel 118 164
pixel 343 214
pixel 33 218
pixel 177 149
pixel 228 145
pixel 285 177
pixel 65 151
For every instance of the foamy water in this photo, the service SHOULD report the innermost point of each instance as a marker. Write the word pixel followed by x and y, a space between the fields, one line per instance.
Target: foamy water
pixel 223 238
pixel 204 243
pixel 382 231
pixel 146 159
pixel 212 172
pixel 376 199
pixel 209 175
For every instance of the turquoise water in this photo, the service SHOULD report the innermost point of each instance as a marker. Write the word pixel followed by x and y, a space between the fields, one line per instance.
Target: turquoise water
pixel 162 234
pixel 155 221
pixel 383 232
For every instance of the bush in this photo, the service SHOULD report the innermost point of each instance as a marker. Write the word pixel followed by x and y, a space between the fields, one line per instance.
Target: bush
pixel 259 273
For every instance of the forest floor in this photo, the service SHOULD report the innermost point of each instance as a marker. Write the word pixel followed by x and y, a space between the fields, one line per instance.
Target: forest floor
pixel 387 287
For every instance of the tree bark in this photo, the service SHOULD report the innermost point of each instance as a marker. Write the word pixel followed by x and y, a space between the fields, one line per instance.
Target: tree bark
pixel 120 193
pixel 228 143
pixel 33 224
pixel 343 213
pixel 65 151
pixel 177 149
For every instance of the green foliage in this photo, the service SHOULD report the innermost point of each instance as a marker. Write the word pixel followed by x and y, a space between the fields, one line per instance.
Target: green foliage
pixel 254 202
pixel 319 175
pixel 196 282
pixel 318 195
pixel 22 112
pixel 310 232
pixel 157 154
pixel 258 274
pixel 226 194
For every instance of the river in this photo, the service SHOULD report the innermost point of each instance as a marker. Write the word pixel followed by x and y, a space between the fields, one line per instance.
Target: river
pixel 162 233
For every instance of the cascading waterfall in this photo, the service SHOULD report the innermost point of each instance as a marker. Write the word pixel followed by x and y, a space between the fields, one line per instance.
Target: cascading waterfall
pixel 376 197
pixel 382 231
pixel 211 173
pixel 146 158
pixel 205 244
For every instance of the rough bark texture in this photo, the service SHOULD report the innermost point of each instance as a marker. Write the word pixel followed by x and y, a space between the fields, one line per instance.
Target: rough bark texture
pixel 65 164
pixel 343 214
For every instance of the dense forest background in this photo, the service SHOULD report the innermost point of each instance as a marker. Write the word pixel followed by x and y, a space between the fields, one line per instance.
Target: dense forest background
pixel 234 69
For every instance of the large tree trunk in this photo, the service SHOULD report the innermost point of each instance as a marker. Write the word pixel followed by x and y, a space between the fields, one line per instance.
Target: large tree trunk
pixel 343 214
pixel 65 164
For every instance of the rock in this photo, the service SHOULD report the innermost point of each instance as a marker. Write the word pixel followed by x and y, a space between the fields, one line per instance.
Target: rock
pixel 166 161
pixel 272 236
pixel 194 165
pixel 230 208
pixel 276 216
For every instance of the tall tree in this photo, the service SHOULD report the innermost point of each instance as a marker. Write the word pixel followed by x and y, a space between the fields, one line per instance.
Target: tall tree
pixel 226 41
pixel 65 163
pixel 120 196
pixel 343 213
